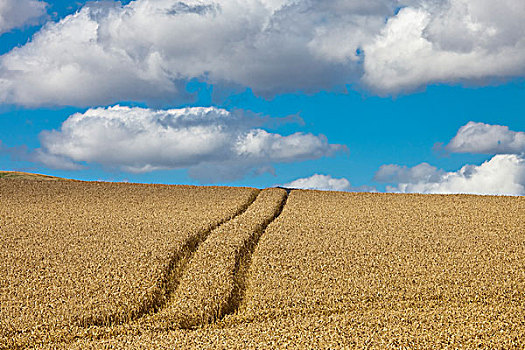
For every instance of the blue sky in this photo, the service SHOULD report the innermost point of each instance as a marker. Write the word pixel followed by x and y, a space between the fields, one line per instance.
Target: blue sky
pixel 389 95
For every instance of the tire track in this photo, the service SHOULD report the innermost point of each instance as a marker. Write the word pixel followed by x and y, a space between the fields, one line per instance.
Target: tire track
pixel 243 262
pixel 213 283
pixel 157 296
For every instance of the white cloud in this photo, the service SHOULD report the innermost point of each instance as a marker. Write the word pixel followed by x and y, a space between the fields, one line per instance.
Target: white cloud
pixel 17 13
pixel 485 138
pixel 24 154
pixel 326 183
pixel 502 175
pixel 447 41
pixel 212 143
pixel 391 173
pixel 52 161
pixel 149 49
pixel 320 182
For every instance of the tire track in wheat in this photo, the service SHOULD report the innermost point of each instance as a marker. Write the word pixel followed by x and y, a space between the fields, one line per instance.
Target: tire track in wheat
pixel 213 283
pixel 243 263
pixel 158 296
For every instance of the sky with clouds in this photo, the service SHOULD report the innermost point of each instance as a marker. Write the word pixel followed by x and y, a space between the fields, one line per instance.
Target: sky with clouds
pixel 381 95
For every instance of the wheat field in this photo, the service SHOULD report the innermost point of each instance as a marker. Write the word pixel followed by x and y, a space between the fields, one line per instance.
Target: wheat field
pixel 266 270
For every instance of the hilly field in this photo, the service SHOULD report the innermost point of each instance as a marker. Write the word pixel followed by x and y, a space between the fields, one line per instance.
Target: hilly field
pixel 91 265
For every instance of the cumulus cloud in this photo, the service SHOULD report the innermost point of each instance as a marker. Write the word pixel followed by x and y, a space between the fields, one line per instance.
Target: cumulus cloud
pixel 24 154
pixel 214 144
pixel 326 183
pixel 17 13
pixel 391 173
pixel 52 161
pixel 320 182
pixel 149 50
pixel 485 138
pixel 504 174
pixel 447 41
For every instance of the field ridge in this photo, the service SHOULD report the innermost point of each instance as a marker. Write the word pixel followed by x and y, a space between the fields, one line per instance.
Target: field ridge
pixel 20 175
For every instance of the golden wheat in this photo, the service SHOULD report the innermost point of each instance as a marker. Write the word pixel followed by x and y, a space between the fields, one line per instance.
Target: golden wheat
pixel 334 270
pixel 339 270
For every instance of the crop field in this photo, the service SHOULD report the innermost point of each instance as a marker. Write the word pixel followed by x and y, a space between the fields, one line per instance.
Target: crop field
pixel 92 265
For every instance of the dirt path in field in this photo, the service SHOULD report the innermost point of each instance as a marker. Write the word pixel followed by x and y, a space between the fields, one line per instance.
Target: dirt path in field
pixel 171 278
pixel 243 263
pixel 212 283
pixel 178 263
